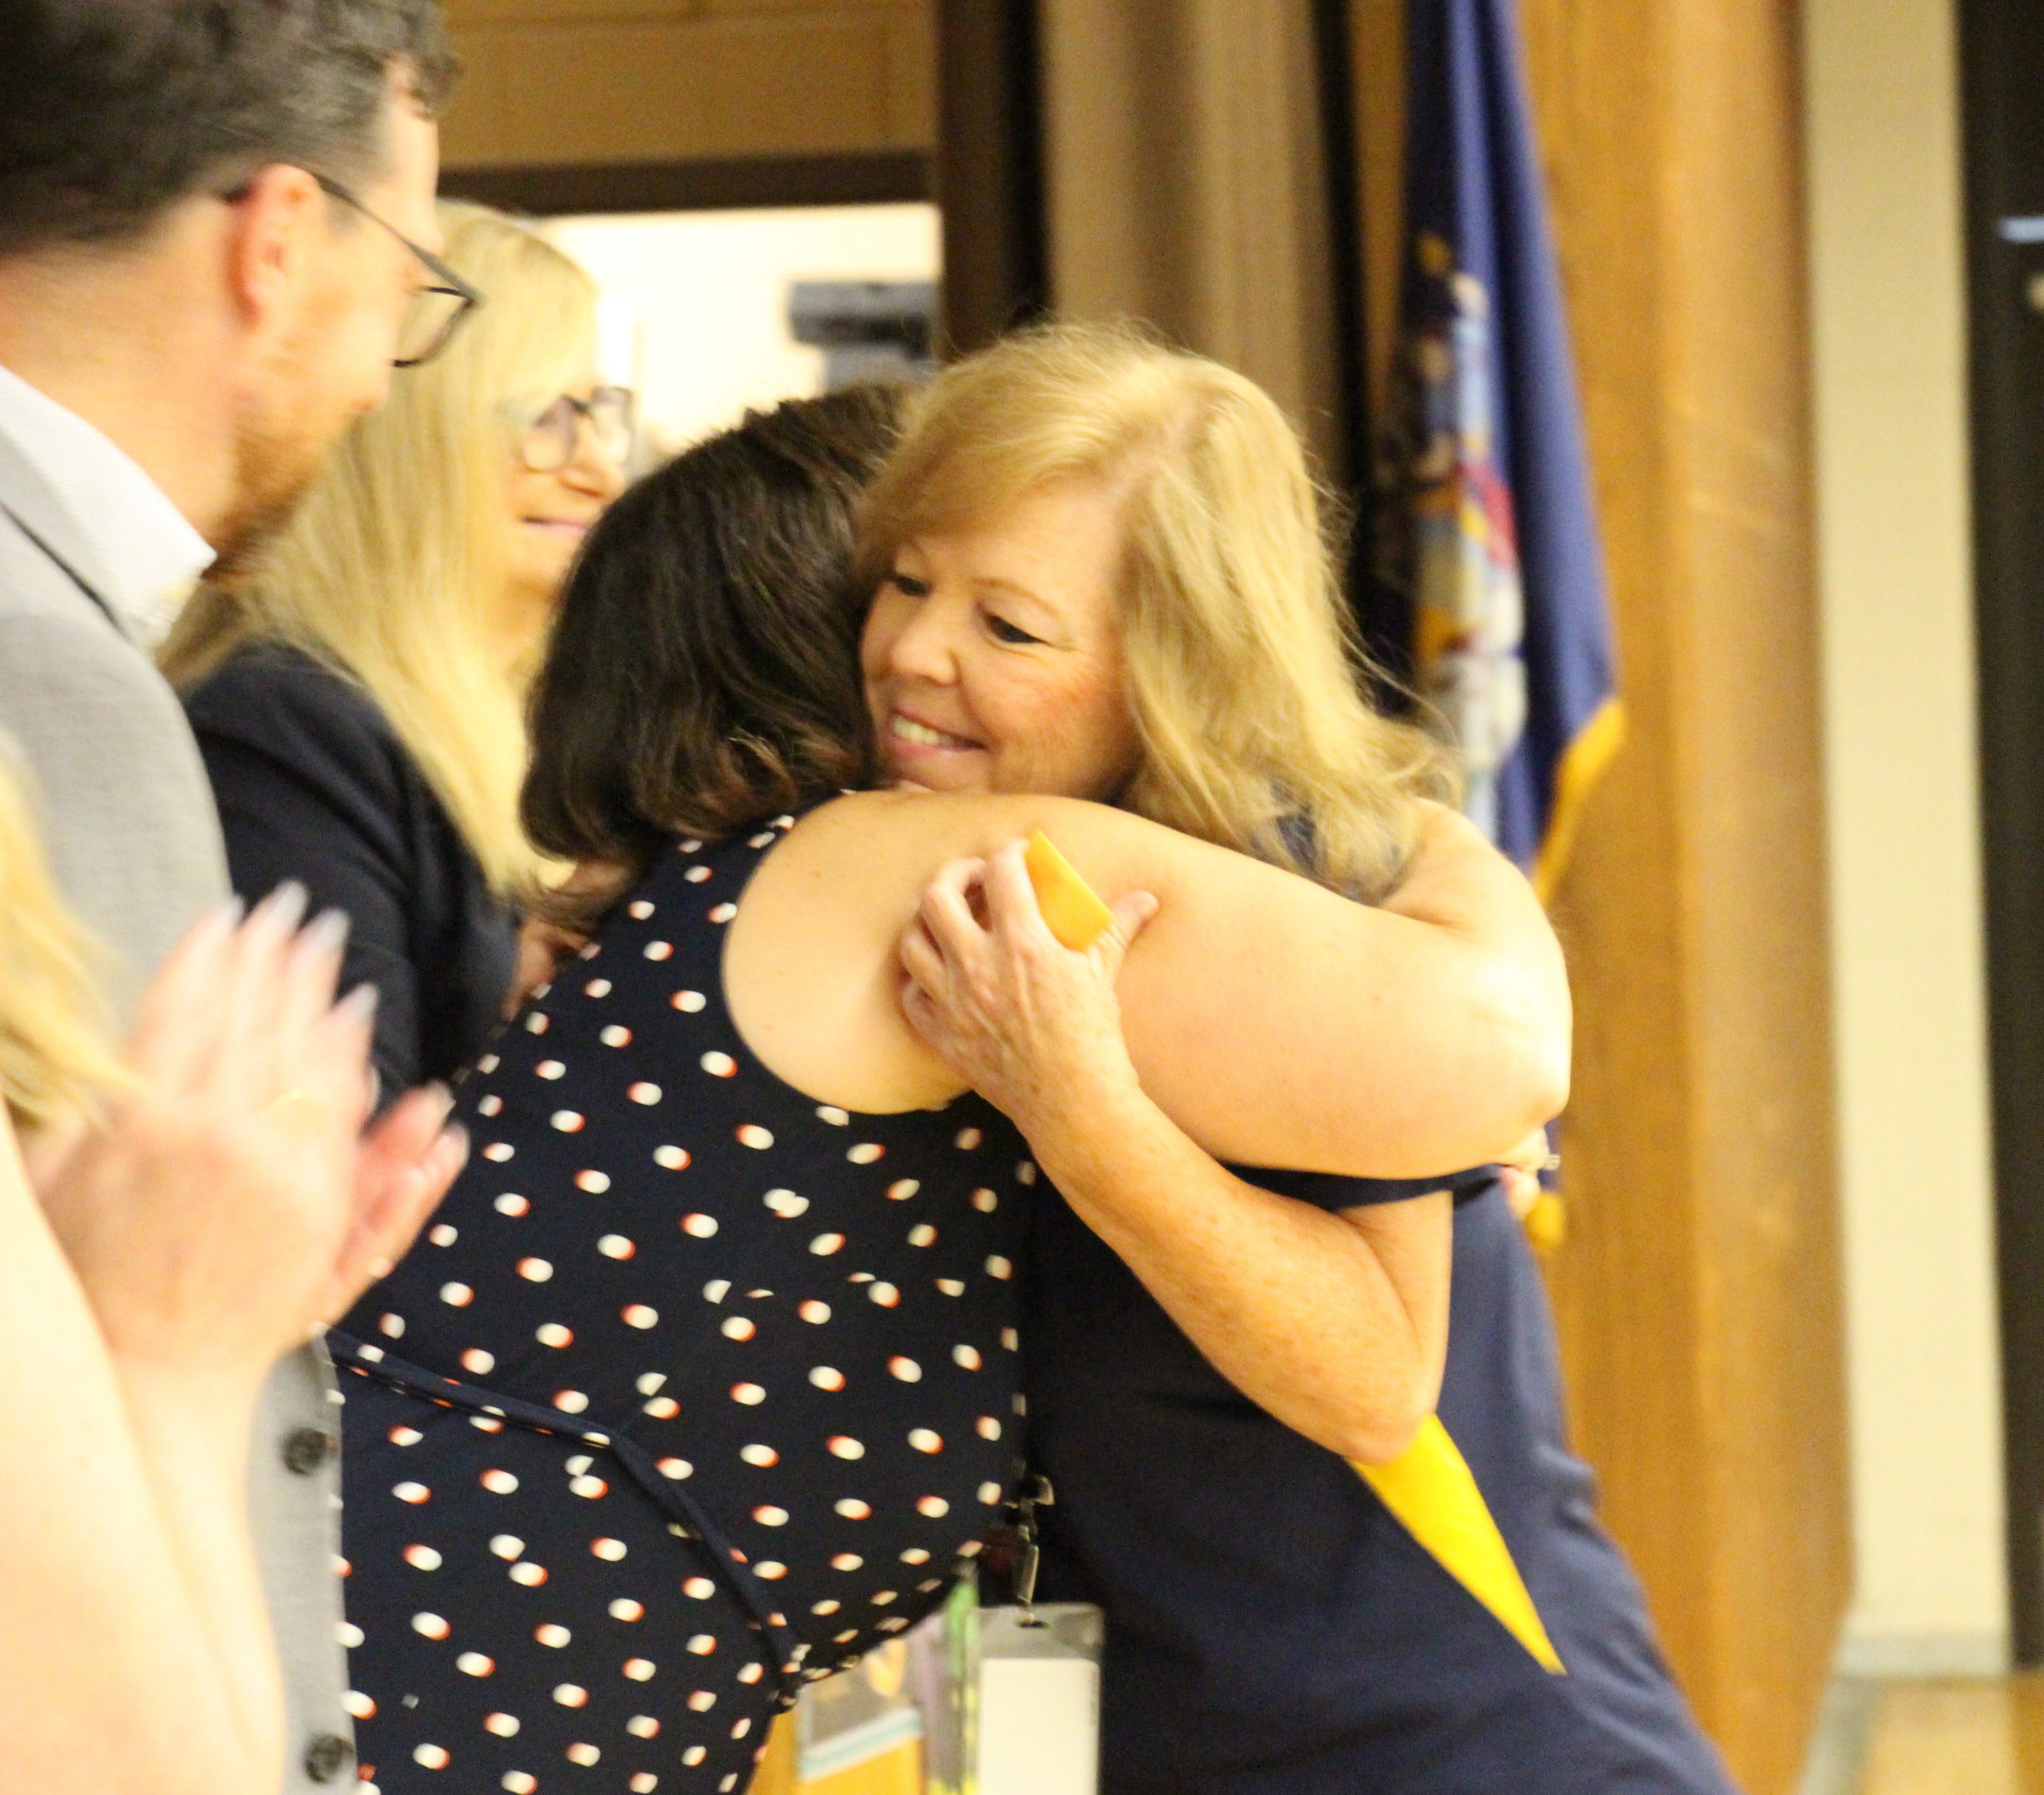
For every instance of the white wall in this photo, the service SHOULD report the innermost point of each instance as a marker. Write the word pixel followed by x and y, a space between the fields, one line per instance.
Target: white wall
pixel 1894 518
pixel 695 304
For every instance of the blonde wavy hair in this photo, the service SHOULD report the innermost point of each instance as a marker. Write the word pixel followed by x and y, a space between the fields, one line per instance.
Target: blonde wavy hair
pixel 56 1033
pixel 1244 665
pixel 393 571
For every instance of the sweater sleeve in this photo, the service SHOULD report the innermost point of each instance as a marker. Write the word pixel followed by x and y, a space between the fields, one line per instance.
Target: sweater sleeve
pixel 312 785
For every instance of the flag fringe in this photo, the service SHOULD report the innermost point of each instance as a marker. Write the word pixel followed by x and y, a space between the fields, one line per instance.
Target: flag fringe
pixel 1596 745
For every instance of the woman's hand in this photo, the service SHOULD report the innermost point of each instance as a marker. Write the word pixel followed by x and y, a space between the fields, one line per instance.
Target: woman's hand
pixel 228 1204
pixel 1519 1172
pixel 1034 1027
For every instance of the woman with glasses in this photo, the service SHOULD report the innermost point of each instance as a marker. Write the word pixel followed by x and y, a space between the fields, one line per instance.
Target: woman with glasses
pixel 360 704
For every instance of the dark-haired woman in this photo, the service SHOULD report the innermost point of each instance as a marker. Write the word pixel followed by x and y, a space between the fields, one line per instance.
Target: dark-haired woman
pixel 708 1372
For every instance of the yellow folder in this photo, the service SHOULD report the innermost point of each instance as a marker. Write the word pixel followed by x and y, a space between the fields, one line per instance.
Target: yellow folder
pixel 1431 1490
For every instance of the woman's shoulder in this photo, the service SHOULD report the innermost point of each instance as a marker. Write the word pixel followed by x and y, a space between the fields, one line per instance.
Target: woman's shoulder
pixel 276 698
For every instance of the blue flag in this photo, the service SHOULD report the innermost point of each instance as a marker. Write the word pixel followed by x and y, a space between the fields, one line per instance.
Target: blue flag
pixel 1511 633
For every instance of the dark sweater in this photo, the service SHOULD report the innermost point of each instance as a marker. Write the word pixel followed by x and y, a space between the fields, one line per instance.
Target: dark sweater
pixel 313 784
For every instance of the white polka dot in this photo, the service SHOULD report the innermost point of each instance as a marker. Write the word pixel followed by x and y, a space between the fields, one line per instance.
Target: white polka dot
pixel 675 1468
pixel 609 1550
pixel 649 1382
pixel 826 1244
pixel 521 1782
pixel 703 1644
pixel 643 1092
pixel 616 1246
pixel 349 1634
pixel 422 1558
pixel 640 1669
pixel 985 1202
pixel 987 1428
pixel 505 1726
pixel 723 913
pixel 411 1492
pixel 589 1488
pixel 767 1514
pixel 915 1555
pixel 690 1002
pixel 549 1069
pixel 989 1493
pixel 663 1408
pixel 597 987
pixel 487 1064
pixel 999 1267
pixel 581 1752
pixel 1010 1339
pixel 373 1354
pixel 866 1152
pixel 750 1394
pixel 827 1378
pixel 737 1327
pixel 571 1695
pixel 431 1757
pixel 405 1436
pixel 391 1327
pixel 553 1635
pixel 934 1508
pixel 786 1204
pixel 431 1627
pixel 639 909
pixel 835 1116
pixel 536 1023
pixel 699 1226
pixel 699 1589
pixel 624 1608
pixel 511 1204
pixel 497 1152
pixel 967 1356
pixel 507 1545
pixel 886 1295
pixel 615 1034
pixel 693 1755
pixel 570 1402
pixel 567 1121
pixel 760 1456
pixel 716 1290
pixel 816 1313
pixel 659 950
pixel 643 1782
pixel 638 1315
pixel 903 1188
pixel 926 1441
pixel 719 1065
pixel 905 1369
pixel 843 1446
pixel 922 1234
pixel 536 1271
pixel 498 1483
pixel 751 1135
pixel 697 875
pixel 671 1159
pixel 456 1296
pixel 553 1333
pixel 853 1509
pixel 772 1570
pixel 358 1705
pixel 580 1463
pixel 595 1183
pixel 881 1598
pixel 475 1664
pixel 829 1607
pixel 951 1286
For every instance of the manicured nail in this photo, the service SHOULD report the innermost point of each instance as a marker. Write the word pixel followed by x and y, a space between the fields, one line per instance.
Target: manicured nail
pixel 443 1094
pixel 457 1139
pixel 380 1268
pixel 280 912
pixel 326 934
pixel 359 1004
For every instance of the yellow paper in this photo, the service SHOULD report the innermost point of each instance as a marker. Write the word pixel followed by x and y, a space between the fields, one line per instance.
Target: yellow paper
pixel 1431 1490
pixel 1070 907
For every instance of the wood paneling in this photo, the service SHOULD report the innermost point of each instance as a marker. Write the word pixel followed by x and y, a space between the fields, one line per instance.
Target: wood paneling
pixel 1698 1295
pixel 597 81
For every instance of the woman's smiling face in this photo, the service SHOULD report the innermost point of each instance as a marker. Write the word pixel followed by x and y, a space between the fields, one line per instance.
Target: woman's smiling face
pixel 991 657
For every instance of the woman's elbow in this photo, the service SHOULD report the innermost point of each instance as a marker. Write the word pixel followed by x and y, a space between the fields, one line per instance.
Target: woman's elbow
pixel 1387 1430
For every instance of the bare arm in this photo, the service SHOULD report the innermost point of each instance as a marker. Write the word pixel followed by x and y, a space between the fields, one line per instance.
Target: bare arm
pixel 1335 1323
pixel 1277 1022
pixel 223 1207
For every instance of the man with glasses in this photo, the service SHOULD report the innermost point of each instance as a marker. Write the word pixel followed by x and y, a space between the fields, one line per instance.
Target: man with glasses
pixel 216 237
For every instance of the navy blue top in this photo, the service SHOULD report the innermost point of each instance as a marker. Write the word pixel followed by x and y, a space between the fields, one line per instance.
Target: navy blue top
pixel 313 784
pixel 1272 1629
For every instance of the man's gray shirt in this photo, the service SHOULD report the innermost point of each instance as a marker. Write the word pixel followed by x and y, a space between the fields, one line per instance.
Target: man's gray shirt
pixel 128 820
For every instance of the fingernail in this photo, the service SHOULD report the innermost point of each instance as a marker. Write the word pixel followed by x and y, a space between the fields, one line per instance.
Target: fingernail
pixel 459 1136
pixel 359 1004
pixel 326 933
pixel 380 1268
pixel 280 911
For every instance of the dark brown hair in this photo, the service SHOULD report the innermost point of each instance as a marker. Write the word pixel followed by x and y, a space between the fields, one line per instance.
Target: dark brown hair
pixel 703 669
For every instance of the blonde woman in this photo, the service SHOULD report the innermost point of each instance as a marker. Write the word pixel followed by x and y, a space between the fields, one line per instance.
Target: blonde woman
pixel 360 706
pixel 199 1206
pixel 739 1265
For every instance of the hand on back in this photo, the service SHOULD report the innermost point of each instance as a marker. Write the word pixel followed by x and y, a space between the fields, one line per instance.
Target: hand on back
pixel 228 1202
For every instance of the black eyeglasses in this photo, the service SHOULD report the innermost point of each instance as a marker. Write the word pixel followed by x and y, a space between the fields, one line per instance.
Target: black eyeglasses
pixel 434 310
pixel 548 442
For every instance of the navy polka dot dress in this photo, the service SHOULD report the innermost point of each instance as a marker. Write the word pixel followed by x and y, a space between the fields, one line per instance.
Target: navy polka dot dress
pixel 694 1388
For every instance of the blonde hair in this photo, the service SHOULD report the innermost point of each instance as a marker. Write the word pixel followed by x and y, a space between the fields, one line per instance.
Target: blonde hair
pixel 1243 661
pixel 56 1034
pixel 393 571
